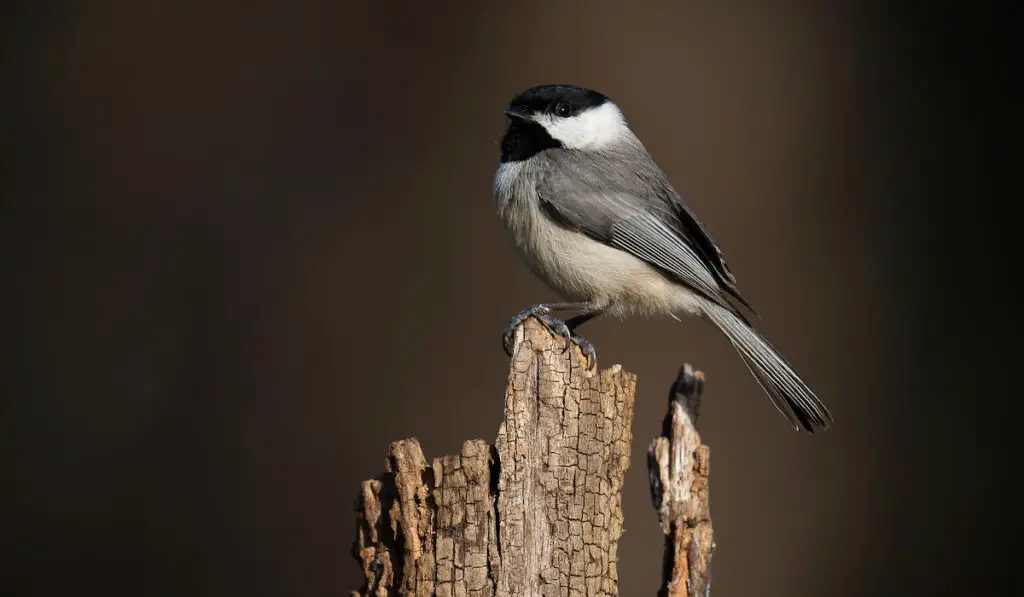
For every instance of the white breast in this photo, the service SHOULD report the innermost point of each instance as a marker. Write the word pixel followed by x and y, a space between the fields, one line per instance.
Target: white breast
pixel 576 266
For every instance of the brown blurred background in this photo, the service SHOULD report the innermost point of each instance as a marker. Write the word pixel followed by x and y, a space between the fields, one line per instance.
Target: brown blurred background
pixel 246 245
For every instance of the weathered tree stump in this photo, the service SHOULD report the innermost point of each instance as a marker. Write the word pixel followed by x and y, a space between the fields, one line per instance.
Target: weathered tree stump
pixel 537 514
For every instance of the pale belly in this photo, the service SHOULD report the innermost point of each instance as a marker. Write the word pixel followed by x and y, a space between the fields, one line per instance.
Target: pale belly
pixel 582 269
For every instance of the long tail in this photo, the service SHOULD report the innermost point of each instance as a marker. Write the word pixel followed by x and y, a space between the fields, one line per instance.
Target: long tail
pixel 788 392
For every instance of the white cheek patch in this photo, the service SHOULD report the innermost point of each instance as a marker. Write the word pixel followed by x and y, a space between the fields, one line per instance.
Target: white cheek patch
pixel 591 129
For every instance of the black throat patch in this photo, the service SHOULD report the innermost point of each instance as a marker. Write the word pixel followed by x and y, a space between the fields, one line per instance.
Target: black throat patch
pixel 525 139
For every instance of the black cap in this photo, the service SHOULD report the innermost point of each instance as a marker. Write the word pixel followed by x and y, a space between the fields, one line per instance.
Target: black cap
pixel 547 98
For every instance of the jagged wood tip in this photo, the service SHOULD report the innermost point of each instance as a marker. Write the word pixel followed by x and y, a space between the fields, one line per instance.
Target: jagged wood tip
pixel 679 470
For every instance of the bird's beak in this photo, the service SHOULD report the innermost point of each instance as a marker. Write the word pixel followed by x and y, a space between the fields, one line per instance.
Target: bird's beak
pixel 514 112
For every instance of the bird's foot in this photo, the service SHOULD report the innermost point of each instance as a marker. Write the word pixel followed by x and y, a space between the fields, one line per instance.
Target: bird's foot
pixel 554 325
pixel 586 348
pixel 543 314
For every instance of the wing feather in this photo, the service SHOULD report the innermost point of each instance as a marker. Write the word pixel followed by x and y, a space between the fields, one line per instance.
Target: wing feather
pixel 639 212
pixel 648 238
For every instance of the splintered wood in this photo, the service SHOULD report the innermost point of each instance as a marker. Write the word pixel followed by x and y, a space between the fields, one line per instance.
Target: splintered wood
pixel 679 467
pixel 537 514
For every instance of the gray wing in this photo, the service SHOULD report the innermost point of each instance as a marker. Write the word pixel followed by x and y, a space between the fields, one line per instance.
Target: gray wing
pixel 632 206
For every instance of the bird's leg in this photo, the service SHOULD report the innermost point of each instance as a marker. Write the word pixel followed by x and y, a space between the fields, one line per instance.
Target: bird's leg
pixel 542 312
pixel 583 318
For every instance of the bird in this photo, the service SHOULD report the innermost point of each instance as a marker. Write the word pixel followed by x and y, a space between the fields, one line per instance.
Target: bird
pixel 595 218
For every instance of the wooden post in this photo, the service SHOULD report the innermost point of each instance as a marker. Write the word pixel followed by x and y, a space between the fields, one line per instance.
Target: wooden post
pixel 537 514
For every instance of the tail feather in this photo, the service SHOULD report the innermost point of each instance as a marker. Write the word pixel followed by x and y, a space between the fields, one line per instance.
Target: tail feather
pixel 785 388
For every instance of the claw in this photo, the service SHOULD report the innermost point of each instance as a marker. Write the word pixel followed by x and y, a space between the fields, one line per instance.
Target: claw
pixel 556 326
pixel 587 349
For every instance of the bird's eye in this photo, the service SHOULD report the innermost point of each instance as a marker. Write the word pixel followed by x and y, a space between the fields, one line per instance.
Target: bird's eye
pixel 563 110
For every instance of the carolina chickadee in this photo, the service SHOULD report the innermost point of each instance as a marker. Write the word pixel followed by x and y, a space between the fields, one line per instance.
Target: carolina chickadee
pixel 598 221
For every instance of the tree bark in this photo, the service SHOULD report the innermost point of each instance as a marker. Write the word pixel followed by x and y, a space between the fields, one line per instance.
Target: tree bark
pixel 536 514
